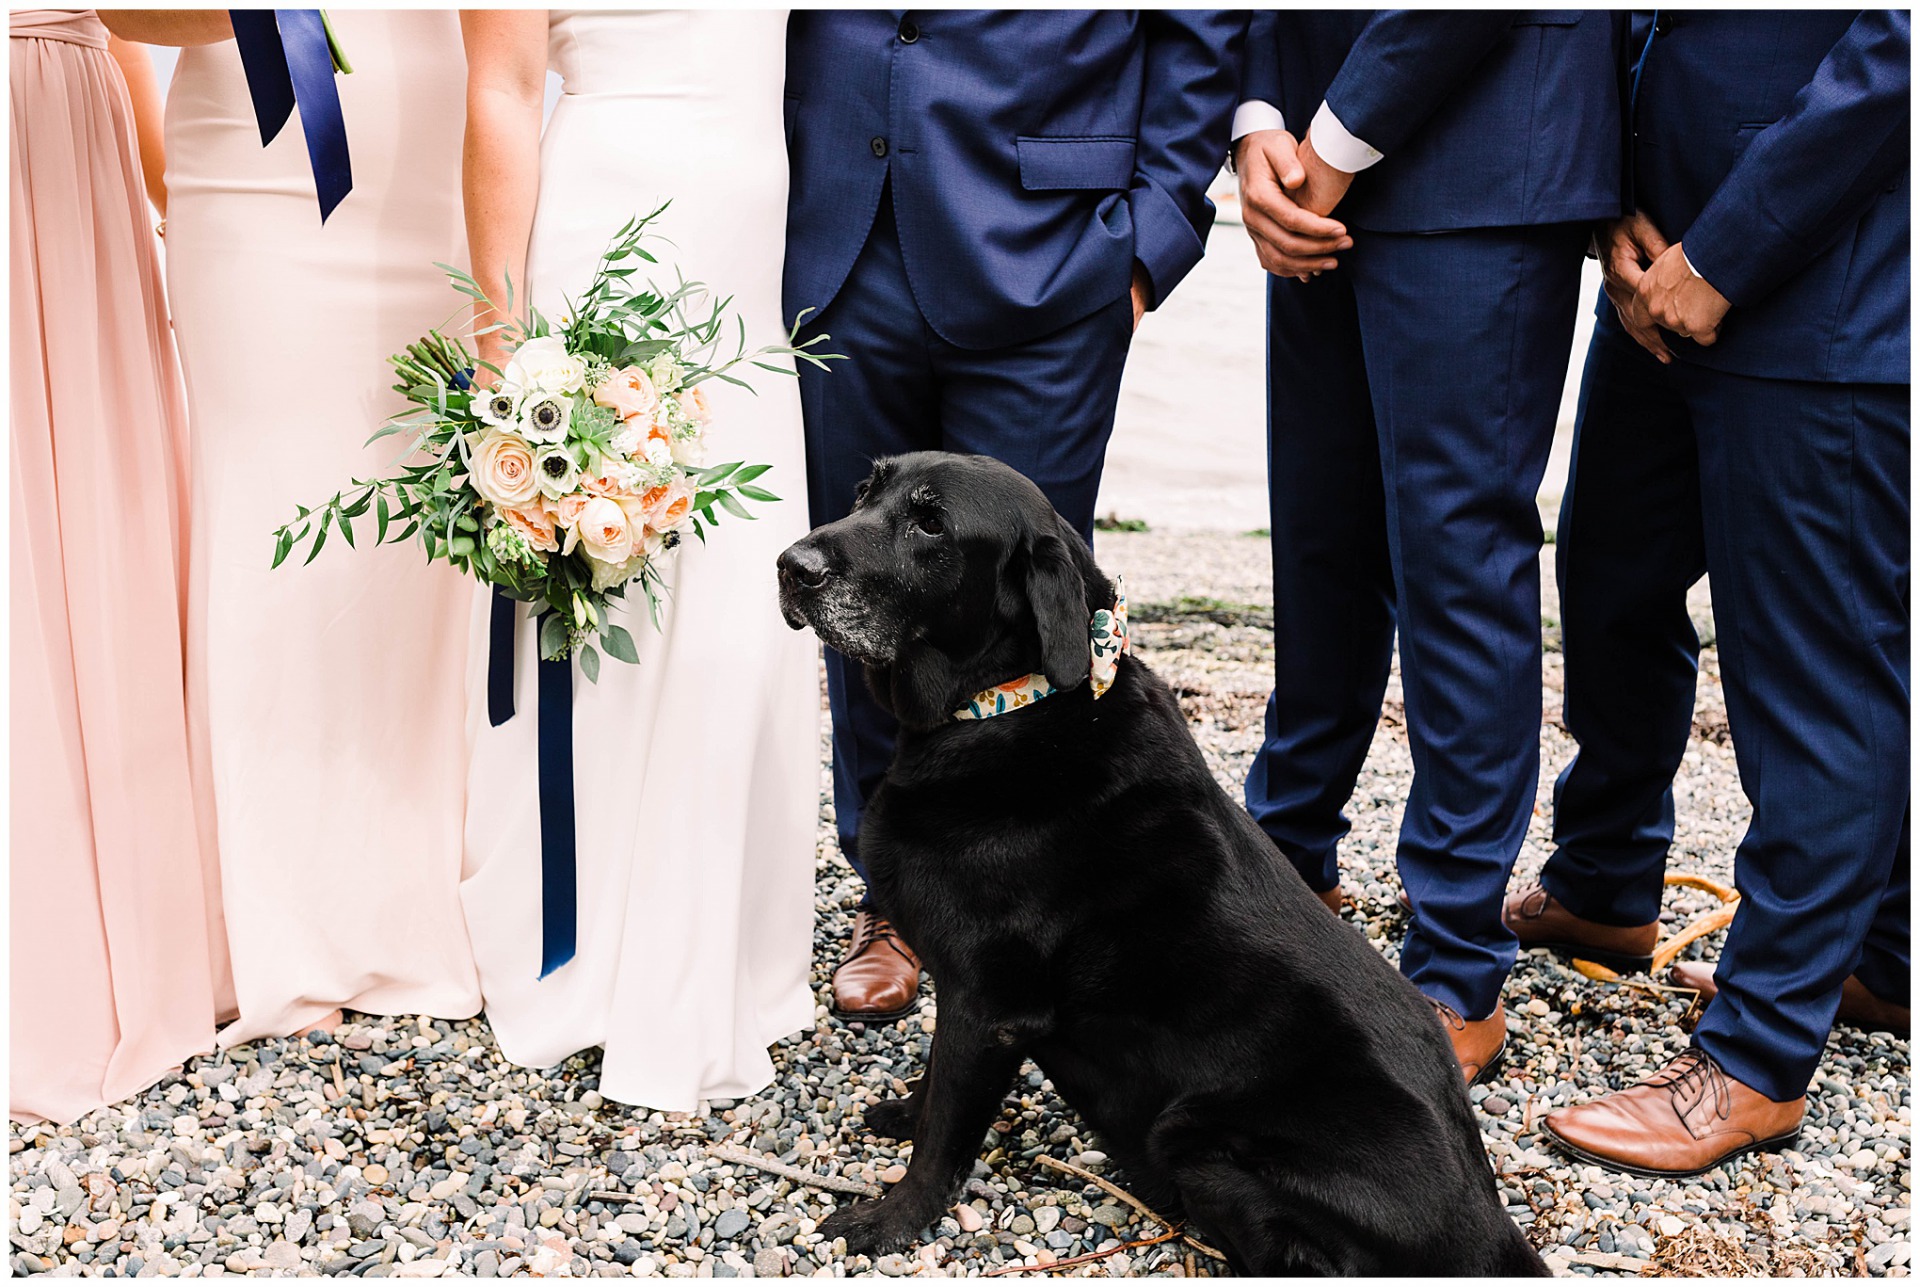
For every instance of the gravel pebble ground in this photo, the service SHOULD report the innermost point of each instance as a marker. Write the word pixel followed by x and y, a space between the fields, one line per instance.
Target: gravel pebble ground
pixel 406 1147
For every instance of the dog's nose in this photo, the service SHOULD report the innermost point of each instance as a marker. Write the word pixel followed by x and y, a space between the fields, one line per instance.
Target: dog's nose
pixel 805 564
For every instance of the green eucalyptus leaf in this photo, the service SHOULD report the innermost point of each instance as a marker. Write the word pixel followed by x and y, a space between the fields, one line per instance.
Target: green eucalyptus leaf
pixel 620 645
pixel 320 540
pixel 553 637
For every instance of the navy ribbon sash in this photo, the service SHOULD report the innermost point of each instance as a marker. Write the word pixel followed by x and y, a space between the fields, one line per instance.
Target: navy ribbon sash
pixel 288 61
pixel 559 892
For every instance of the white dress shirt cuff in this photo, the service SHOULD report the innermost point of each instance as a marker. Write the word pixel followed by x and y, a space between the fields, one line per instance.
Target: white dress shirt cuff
pixel 1690 267
pixel 1337 147
pixel 1254 114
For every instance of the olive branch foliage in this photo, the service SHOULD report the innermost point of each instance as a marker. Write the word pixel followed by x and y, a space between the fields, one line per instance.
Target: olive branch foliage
pixel 622 320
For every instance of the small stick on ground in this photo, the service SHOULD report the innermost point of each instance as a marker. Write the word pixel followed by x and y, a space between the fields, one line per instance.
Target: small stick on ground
pixel 615 1197
pixel 1090 1257
pixel 1646 985
pixel 774 1166
pixel 1607 1260
pixel 1128 1198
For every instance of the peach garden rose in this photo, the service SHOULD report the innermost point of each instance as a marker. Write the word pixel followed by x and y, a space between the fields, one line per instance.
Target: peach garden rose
pixel 604 531
pixel 535 523
pixel 667 507
pixel 503 470
pixel 629 393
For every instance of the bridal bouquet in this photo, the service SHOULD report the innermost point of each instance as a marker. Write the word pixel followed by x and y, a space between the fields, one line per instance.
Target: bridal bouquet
pixel 565 483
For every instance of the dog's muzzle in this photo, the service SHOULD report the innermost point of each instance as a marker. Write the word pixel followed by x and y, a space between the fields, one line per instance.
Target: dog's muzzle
pixel 803 572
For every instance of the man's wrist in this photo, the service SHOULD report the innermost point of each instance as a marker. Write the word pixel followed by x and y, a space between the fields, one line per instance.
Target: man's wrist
pixel 1337 146
pixel 1251 117
pixel 1256 114
pixel 1142 285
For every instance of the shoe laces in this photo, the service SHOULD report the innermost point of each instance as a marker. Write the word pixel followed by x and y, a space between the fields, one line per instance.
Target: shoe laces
pixel 1533 904
pixel 1693 1079
pixel 1448 1015
pixel 880 930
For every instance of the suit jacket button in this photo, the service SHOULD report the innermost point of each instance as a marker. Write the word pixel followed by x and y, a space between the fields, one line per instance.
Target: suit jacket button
pixel 1663 24
pixel 879 146
pixel 909 33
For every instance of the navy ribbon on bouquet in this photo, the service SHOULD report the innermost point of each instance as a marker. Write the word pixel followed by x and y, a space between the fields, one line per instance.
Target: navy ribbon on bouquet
pixel 559 892
pixel 288 61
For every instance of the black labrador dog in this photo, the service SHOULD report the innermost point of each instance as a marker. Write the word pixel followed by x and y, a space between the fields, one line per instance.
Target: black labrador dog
pixel 1086 895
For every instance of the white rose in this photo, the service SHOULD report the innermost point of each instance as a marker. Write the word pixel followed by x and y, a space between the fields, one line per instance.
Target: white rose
pixel 608 575
pixel 690 450
pixel 665 372
pixel 543 364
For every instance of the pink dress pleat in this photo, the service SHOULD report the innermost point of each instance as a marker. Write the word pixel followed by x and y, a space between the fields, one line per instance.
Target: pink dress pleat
pixel 118 962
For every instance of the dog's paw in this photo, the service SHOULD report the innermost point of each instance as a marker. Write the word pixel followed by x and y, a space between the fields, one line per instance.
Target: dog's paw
pixel 893 1119
pixel 873 1228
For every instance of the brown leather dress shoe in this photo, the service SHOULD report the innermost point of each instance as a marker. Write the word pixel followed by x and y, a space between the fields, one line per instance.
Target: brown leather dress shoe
pixel 1687 1118
pixel 1539 920
pixel 1858 1007
pixel 1333 898
pixel 1479 1044
pixel 880 979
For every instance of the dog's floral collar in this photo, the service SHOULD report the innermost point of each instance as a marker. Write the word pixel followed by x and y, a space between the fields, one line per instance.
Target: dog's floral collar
pixel 1108 637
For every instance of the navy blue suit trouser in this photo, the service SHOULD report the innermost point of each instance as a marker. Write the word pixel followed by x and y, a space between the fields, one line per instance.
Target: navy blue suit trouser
pixel 1044 407
pixel 1412 395
pixel 1792 498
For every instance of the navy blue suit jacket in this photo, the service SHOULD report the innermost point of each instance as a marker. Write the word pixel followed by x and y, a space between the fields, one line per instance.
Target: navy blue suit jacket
pixel 1487 118
pixel 1035 155
pixel 1774 145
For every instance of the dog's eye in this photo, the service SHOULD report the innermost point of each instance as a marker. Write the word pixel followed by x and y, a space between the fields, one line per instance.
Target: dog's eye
pixel 860 492
pixel 931 524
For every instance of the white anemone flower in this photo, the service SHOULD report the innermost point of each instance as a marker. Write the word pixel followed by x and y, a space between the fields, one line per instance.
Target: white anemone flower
pixel 556 472
pixel 500 409
pixel 545 418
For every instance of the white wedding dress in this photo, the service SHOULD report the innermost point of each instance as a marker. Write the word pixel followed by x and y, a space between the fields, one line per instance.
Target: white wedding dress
pixel 696 772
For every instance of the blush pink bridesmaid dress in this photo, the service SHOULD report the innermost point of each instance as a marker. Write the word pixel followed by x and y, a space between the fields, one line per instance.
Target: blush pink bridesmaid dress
pixel 116 953
pixel 325 700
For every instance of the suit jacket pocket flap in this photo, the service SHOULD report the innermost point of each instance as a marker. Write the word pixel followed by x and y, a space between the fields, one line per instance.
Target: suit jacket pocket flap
pixel 1104 163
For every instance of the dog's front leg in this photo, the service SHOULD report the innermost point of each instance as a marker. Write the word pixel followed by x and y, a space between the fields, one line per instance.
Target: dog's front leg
pixel 972 1067
pixel 897 1119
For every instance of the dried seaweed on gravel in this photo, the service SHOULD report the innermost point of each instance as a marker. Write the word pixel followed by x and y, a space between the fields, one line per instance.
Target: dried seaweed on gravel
pixel 1698 1252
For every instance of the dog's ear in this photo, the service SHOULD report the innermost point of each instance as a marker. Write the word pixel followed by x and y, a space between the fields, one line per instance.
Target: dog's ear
pixel 1057 593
